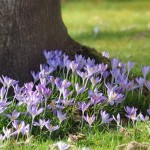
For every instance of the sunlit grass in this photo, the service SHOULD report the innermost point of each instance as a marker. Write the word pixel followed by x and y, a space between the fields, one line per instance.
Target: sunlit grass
pixel 111 139
pixel 108 139
pixel 124 27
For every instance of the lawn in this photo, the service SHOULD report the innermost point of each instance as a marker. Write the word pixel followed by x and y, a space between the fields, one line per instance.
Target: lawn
pixel 124 27
pixel 124 31
pixel 108 140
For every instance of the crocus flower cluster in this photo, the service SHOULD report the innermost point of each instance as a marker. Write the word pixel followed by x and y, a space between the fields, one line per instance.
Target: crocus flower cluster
pixel 63 90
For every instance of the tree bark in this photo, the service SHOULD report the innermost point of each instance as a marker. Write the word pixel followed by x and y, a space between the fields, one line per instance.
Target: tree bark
pixel 27 27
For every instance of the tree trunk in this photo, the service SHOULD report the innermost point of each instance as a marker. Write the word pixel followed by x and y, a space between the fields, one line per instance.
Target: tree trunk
pixel 27 27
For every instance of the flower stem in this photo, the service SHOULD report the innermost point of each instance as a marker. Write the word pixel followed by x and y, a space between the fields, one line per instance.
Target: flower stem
pixel 82 121
pixel 32 125
pixel 45 107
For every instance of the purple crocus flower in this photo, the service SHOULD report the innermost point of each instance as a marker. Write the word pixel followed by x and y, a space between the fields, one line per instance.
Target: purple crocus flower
pixel 129 66
pixel 105 117
pixel 105 54
pixel 61 117
pixel 67 65
pixel 14 115
pixel 106 74
pixel 122 66
pixel 114 97
pixel 31 98
pixel 117 120
pixel 20 128
pixel 79 89
pixel 2 92
pixel 46 92
pixel 102 67
pixel 59 105
pixel 80 60
pixel 91 70
pixel 7 133
pixel 2 138
pixel 96 97
pixel 83 75
pixel 53 63
pixel 26 130
pixel 41 123
pixel 115 73
pixel 122 83
pixel 67 102
pixel 7 82
pixel 131 113
pixel 44 81
pixel 35 76
pixel 73 66
pixel 66 93
pixel 19 91
pixel 48 55
pixel 90 62
pixel 130 86
pixel 140 81
pixel 58 82
pixel 142 117
pixel 29 86
pixel 60 62
pixel 3 105
pixel 50 127
pixel 45 71
pixel 148 85
pixel 62 85
pixel 62 146
pixel 65 59
pixel 145 71
pixel 114 63
pixel 33 110
pixel 54 106
pixel 83 106
pixel 58 53
pixel 94 81
pixel 51 80
pixel 48 69
pixel 148 111
pixel 90 120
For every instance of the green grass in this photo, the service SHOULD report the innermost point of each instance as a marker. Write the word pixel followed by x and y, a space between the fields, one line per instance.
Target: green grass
pixel 124 27
pixel 112 138
pixel 106 140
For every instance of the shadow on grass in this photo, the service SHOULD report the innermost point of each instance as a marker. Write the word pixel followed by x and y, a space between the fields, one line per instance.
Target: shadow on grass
pixel 115 35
